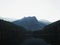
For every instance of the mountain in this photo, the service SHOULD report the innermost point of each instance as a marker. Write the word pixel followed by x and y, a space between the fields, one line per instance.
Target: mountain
pixel 50 33
pixel 30 23
pixel 11 33
pixel 53 27
pixel 53 31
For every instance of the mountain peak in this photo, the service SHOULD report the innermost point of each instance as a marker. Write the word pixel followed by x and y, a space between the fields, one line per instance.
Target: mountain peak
pixel 30 23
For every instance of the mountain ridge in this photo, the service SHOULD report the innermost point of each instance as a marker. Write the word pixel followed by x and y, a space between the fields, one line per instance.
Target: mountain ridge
pixel 30 23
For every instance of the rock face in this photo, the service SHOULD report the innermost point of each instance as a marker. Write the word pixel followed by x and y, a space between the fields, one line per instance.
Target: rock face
pixel 30 23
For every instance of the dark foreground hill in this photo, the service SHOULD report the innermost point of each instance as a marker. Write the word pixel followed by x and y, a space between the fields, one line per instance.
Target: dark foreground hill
pixel 53 31
pixel 11 34
pixel 50 33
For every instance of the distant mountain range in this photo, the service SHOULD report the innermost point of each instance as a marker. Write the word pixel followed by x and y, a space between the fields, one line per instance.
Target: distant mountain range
pixel 13 34
pixel 8 19
pixel 31 23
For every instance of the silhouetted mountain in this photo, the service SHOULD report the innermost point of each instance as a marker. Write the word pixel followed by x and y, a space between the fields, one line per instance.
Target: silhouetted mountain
pixel 53 31
pixel 50 33
pixel 30 23
pixel 11 33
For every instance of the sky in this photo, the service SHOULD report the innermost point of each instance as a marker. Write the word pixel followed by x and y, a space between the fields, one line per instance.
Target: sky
pixel 42 9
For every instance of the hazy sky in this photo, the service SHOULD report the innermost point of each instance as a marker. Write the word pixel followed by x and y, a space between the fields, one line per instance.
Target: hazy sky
pixel 42 9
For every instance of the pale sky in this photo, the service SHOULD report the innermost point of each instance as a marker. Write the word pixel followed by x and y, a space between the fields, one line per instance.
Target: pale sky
pixel 42 9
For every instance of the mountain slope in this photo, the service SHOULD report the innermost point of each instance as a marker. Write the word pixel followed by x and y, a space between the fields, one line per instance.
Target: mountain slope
pixel 50 33
pixel 53 31
pixel 30 23
pixel 11 33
